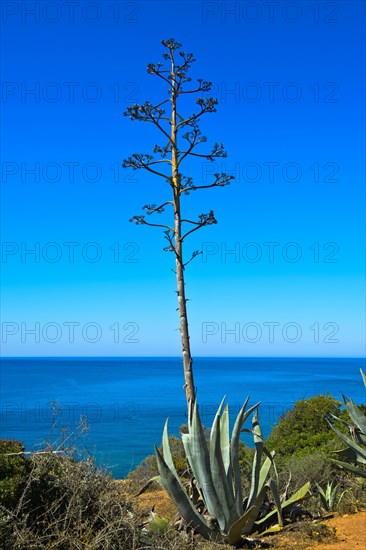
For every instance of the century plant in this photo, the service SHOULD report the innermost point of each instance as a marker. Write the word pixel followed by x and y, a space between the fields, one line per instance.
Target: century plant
pixel 215 467
pixel 356 441
pixel 216 508
pixel 328 495
pixel 181 137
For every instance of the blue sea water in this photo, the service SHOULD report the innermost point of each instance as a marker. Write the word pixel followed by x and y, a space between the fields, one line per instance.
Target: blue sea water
pixel 127 400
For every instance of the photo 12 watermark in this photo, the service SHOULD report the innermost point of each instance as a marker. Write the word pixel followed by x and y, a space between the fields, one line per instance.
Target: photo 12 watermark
pixel 275 92
pixel 274 172
pixel 270 252
pixel 269 332
pixel 70 332
pixel 69 252
pixel 68 92
pixel 67 171
pixel 254 12
pixel 37 412
pixel 71 12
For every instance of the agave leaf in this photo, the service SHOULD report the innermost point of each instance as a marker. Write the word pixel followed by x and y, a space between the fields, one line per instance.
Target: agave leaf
pixel 272 530
pixel 350 468
pixel 147 485
pixel 320 491
pixel 225 442
pixel 332 495
pixel 166 450
pixel 265 470
pixel 323 496
pixel 257 432
pixel 223 489
pixel 361 453
pixel 328 496
pixel 248 527
pixel 363 377
pixel 236 530
pixel 347 453
pixel 235 438
pixel 200 463
pixel 181 499
pixel 186 444
pixel 273 487
pixel 347 424
pixel 219 410
pixel 296 497
pixel 234 444
pixel 328 490
pixel 302 493
pixel 356 415
pixel 258 441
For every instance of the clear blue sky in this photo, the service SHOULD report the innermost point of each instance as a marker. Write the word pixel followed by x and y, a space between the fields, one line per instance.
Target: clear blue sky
pixel 289 77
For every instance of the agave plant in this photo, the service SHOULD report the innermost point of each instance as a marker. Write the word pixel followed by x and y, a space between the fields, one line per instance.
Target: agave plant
pixel 356 443
pixel 328 495
pixel 223 514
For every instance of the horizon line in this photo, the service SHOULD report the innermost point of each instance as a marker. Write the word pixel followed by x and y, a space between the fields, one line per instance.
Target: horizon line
pixel 179 357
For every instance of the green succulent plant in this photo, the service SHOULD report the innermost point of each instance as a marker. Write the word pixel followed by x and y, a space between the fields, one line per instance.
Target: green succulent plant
pixel 216 508
pixel 328 495
pixel 356 442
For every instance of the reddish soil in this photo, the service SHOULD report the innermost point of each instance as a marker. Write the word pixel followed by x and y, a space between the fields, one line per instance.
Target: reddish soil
pixel 349 530
pixel 350 533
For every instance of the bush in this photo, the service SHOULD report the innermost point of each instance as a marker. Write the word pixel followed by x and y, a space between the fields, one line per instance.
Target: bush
pixel 353 496
pixel 303 429
pixel 12 471
pixel 68 504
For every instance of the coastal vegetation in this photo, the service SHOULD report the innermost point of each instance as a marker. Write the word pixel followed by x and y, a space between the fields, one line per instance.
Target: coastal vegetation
pixel 57 497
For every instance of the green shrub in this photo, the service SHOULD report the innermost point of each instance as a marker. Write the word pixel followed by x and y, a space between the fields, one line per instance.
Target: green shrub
pixel 303 429
pixel 12 471
pixel 353 496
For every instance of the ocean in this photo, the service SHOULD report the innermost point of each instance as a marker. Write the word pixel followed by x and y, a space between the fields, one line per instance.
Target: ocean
pixel 127 400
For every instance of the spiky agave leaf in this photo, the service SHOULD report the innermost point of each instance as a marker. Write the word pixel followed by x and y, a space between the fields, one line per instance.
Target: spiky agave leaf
pixel 225 442
pixel 358 418
pixel 238 528
pixel 328 496
pixel 222 486
pixel 350 468
pixel 356 446
pixel 363 377
pixel 166 450
pixel 181 500
pixel 276 497
pixel 302 493
pixel 198 456
pixel 259 445
pixel 248 527
pixel 234 445
pixel 360 452
pixel 264 471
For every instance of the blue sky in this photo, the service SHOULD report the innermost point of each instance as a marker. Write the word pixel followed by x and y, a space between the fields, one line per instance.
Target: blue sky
pixel 281 273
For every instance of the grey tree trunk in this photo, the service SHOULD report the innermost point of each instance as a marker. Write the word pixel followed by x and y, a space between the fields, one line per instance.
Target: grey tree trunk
pixel 189 387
